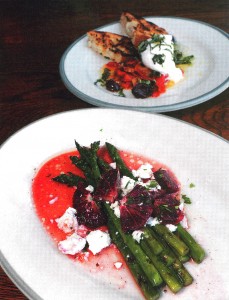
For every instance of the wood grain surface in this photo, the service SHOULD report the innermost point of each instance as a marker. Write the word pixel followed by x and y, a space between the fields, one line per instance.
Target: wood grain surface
pixel 33 37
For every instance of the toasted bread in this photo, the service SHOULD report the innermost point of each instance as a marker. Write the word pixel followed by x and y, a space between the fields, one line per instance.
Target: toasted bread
pixel 138 29
pixel 112 46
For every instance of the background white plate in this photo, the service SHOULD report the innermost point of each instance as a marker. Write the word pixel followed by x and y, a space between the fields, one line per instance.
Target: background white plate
pixel 30 257
pixel 208 77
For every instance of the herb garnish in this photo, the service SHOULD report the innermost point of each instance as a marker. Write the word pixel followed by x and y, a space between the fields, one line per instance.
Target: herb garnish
pixel 104 77
pixel 186 199
pixel 158 58
pixel 180 59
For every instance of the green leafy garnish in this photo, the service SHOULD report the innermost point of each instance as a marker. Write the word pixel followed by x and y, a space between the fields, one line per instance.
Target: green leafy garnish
pixel 158 58
pixel 105 75
pixel 186 199
pixel 152 184
pixel 180 59
pixel 191 185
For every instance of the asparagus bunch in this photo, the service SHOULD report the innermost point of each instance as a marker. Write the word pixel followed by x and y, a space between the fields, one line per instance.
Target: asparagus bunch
pixel 159 256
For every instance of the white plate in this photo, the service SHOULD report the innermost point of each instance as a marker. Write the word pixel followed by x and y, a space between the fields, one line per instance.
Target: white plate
pixel 29 256
pixel 208 77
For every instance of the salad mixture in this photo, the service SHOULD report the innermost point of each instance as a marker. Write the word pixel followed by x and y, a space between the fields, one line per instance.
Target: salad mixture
pixel 96 197
pixel 147 60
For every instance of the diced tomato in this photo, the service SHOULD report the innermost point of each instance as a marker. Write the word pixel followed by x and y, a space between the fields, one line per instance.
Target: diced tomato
pixel 112 65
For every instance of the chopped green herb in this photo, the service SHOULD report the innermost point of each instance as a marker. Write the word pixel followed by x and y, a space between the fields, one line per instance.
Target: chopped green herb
pixel 152 184
pixel 180 59
pixel 105 75
pixel 191 185
pixel 158 58
pixel 121 94
pixel 186 199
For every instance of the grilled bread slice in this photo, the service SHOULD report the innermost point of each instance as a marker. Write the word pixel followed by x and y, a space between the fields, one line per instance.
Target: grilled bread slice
pixel 138 29
pixel 112 46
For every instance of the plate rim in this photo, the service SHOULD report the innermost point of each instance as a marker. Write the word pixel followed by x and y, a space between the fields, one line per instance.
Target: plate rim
pixel 162 108
pixel 6 266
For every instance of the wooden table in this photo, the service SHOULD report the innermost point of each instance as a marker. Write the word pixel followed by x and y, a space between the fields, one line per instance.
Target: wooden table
pixel 34 35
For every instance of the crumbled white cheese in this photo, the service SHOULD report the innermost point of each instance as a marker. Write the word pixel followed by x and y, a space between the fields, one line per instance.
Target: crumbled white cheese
pixel 113 165
pixel 184 222
pixel 152 221
pixel 171 227
pixel 127 184
pixel 72 245
pixel 118 265
pixel 144 171
pixel 68 221
pixel 116 209
pixel 98 240
pixel 137 235
pixel 181 206
pixel 90 188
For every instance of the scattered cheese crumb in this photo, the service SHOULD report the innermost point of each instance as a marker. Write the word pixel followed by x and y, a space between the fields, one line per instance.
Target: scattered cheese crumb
pixel 98 240
pixel 152 221
pixel 127 184
pixel 137 235
pixel 144 171
pixel 171 227
pixel 72 245
pixel 113 165
pixel 116 209
pixel 68 221
pixel 90 188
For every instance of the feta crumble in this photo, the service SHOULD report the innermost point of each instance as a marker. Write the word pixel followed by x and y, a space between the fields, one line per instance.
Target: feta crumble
pixel 127 184
pixel 184 222
pixel 90 188
pixel 116 209
pixel 137 235
pixel 98 240
pixel 68 221
pixel 152 221
pixel 72 245
pixel 171 227
pixel 144 171
pixel 113 165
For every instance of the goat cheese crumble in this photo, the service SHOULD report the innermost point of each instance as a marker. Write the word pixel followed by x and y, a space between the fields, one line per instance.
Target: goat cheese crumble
pixel 98 240
pixel 72 245
pixel 137 235
pixel 68 221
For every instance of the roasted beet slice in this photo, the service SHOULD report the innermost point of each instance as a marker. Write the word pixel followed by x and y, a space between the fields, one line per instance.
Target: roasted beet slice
pixel 134 216
pixel 168 199
pixel 109 186
pixel 135 209
pixel 155 194
pixel 139 195
pixel 166 181
pixel 168 214
pixel 88 211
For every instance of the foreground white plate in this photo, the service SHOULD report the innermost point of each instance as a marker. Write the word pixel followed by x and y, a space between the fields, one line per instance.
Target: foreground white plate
pixel 208 77
pixel 29 256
